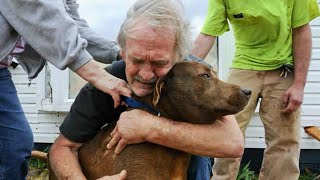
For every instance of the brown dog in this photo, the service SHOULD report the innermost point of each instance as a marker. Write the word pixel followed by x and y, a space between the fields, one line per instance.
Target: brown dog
pixel 190 92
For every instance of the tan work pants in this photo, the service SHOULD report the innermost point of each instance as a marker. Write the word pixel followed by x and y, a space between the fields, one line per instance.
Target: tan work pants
pixel 282 131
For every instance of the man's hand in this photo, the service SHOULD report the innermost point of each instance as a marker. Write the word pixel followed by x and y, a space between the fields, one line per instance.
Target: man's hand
pixel 120 176
pixel 104 81
pixel 293 98
pixel 132 127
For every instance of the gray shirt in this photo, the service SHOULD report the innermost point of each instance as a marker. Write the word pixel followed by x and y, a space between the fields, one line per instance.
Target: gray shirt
pixel 54 32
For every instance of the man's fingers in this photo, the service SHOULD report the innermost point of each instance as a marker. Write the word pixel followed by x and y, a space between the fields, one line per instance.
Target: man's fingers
pixel 125 91
pixel 120 176
pixel 289 108
pixel 116 99
pixel 286 110
pixel 292 105
pixel 114 140
pixel 118 88
pixel 120 146
pixel 287 102
pixel 297 105
pixel 286 98
pixel 123 104
pixel 123 175
pixel 114 131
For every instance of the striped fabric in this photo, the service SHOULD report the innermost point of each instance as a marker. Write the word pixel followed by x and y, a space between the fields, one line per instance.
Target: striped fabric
pixel 18 49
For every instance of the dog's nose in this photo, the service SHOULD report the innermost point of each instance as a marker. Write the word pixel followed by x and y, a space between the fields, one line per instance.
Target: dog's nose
pixel 247 92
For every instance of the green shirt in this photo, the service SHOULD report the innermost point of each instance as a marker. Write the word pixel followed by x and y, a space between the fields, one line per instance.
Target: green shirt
pixel 262 28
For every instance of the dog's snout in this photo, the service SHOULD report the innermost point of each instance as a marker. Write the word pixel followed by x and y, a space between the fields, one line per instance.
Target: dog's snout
pixel 247 92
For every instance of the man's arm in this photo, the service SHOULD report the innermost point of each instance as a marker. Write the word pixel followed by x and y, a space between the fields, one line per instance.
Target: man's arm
pixel 302 45
pixel 222 138
pixel 64 159
pixel 65 164
pixel 202 45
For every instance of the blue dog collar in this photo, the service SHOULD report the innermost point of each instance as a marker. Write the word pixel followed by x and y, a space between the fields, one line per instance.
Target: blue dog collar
pixel 136 104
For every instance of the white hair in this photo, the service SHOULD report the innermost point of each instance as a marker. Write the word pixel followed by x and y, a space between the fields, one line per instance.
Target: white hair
pixel 163 15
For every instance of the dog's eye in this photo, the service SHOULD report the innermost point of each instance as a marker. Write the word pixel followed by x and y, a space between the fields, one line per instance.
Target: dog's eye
pixel 206 75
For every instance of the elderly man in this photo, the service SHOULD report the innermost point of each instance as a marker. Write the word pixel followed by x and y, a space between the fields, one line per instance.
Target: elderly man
pixel 152 38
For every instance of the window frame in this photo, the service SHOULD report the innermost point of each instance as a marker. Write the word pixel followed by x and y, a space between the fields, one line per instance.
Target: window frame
pixel 53 90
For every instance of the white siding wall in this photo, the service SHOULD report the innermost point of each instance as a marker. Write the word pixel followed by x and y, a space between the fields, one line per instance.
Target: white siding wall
pixel 44 124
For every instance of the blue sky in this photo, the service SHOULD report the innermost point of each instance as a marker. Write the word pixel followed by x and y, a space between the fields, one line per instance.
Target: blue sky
pixel 106 16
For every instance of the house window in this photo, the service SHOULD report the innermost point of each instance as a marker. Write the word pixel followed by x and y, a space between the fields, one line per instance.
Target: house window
pixel 105 17
pixel 75 84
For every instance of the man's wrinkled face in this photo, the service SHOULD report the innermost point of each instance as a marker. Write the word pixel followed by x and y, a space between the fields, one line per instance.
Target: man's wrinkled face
pixel 149 55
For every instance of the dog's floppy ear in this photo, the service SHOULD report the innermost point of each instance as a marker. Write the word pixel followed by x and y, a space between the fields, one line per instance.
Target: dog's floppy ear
pixel 157 91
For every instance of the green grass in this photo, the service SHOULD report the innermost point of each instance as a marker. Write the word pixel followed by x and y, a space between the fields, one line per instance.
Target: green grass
pixel 246 174
pixel 308 175
pixel 38 169
pixel 38 163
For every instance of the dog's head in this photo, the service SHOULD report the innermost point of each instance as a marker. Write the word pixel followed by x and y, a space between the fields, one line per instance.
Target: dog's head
pixel 192 92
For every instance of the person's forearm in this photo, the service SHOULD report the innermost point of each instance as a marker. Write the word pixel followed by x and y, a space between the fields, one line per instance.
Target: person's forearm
pixel 220 139
pixel 65 164
pixel 202 45
pixel 302 46
pixel 97 76
pixel 91 72
pixel 104 81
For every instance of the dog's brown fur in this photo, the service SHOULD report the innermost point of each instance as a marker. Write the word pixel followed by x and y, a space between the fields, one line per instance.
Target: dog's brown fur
pixel 190 92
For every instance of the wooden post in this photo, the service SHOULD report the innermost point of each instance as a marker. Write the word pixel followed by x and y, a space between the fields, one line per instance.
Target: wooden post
pixel 39 155
pixel 313 132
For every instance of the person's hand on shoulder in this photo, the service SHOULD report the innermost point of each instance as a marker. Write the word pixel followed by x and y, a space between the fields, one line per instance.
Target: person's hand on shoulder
pixel 104 81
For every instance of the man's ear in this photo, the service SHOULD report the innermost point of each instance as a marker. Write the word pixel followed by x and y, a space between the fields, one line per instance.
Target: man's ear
pixel 122 54
pixel 157 91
